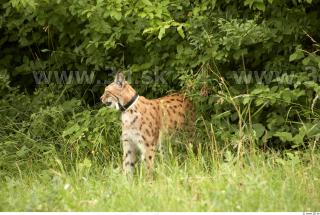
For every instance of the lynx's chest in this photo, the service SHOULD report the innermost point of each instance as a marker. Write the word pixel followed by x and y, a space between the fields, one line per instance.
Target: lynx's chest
pixel 141 123
pixel 130 126
pixel 130 119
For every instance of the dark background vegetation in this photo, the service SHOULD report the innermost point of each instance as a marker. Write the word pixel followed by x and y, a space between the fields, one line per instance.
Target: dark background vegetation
pixel 251 67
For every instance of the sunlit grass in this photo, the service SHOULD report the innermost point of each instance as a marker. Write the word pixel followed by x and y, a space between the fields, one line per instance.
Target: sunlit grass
pixel 264 182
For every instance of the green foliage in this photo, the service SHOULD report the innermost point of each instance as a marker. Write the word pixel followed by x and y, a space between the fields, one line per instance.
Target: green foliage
pixel 35 128
pixel 93 133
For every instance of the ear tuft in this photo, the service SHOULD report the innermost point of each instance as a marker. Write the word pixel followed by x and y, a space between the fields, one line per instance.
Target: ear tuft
pixel 119 79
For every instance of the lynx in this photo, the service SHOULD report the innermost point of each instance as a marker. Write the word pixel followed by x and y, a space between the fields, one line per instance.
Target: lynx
pixel 145 121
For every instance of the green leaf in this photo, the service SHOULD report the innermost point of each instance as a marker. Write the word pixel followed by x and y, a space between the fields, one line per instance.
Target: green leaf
pixel 246 100
pixel 259 129
pixel 284 136
pixel 296 56
pixel 148 30
pixel 161 33
pixel 306 61
pixel 116 15
pixel 22 151
pixel 71 130
pixel 147 2
pixel 298 139
pixel 180 31
pixel 249 2
pixel 221 115
pixel 260 6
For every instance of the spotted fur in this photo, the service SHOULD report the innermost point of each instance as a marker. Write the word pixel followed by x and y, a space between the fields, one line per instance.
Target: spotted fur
pixel 145 121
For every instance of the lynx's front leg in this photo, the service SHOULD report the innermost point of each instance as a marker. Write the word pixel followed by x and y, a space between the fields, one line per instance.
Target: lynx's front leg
pixel 129 157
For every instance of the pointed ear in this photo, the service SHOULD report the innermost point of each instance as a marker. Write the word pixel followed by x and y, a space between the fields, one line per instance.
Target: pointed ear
pixel 119 79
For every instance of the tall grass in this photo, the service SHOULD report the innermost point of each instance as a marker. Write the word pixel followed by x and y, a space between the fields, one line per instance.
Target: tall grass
pixel 260 182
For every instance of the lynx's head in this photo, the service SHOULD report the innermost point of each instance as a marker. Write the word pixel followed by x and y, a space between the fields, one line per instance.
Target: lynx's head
pixel 119 94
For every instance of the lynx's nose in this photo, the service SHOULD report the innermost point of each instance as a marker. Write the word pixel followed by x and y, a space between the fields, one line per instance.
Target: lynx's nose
pixel 105 102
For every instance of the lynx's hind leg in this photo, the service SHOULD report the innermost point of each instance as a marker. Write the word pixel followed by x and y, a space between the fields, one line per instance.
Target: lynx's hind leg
pixel 148 155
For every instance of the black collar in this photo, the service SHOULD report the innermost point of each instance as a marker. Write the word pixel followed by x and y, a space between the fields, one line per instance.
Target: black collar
pixel 126 106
